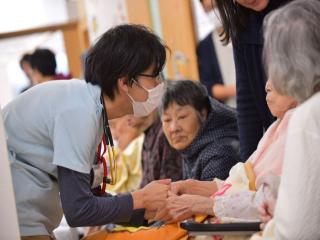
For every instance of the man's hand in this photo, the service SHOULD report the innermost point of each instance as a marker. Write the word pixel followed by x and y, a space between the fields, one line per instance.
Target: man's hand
pixel 90 230
pixel 149 215
pixel 152 196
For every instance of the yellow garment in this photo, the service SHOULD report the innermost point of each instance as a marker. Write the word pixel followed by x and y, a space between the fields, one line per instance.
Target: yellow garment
pixel 242 176
pixel 128 167
pixel 250 175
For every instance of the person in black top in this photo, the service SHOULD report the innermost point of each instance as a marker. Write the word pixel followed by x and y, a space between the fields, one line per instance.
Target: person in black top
pixel 210 71
pixel 242 23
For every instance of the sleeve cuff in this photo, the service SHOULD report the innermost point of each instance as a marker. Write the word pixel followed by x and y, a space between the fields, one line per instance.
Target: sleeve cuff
pixel 126 207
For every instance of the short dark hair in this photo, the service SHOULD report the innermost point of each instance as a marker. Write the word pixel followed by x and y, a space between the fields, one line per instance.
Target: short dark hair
pixel 185 92
pixel 25 58
pixel 44 61
pixel 125 50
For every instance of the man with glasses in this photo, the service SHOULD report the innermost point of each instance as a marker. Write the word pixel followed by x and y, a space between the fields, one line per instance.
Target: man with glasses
pixel 54 129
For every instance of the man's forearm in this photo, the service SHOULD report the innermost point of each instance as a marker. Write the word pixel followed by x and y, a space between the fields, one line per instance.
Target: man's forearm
pixel 82 208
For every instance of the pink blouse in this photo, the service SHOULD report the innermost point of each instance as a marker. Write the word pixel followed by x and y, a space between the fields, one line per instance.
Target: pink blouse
pixel 268 158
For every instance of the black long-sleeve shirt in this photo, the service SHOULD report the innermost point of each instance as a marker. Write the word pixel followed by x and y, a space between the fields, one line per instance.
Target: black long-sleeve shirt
pixel 82 208
pixel 209 68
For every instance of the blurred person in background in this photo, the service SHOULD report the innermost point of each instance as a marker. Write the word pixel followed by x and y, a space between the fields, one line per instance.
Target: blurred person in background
pixel 128 142
pixel 43 67
pixel 215 61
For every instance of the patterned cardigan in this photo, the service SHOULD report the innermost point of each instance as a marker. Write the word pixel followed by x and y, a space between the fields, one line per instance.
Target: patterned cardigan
pixel 215 149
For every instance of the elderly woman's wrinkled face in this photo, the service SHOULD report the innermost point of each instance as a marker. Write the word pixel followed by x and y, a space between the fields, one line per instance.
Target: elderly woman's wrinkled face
pixel 277 103
pixel 180 125
pixel 256 5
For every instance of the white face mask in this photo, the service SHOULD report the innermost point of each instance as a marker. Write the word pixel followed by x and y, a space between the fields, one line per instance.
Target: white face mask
pixel 142 109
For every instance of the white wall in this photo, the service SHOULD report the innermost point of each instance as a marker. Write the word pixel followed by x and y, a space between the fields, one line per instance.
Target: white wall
pixel 205 23
pixel 20 14
pixel 202 22
pixel 104 14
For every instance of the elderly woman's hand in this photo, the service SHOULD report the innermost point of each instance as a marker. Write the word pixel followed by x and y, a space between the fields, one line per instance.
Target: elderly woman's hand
pixel 265 215
pixel 178 208
pixel 194 187
pixel 156 193
pixel 270 189
pixel 180 187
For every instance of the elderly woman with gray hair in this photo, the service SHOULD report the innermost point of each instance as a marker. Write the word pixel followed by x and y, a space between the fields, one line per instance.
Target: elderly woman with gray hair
pixel 234 199
pixel 292 53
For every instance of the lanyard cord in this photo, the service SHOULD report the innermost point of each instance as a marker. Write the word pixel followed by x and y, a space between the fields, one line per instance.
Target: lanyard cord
pixel 102 160
pixel 106 128
pixel 107 142
pixel 110 145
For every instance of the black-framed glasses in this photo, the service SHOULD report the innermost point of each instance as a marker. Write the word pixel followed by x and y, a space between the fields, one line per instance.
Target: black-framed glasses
pixel 159 77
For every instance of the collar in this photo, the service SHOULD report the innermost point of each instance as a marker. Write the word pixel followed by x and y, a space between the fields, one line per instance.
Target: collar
pixel 95 92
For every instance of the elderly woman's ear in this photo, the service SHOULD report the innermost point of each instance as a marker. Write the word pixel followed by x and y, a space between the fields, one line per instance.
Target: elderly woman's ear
pixel 204 113
pixel 202 116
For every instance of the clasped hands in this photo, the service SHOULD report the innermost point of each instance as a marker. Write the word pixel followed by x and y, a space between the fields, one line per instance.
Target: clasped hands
pixel 170 202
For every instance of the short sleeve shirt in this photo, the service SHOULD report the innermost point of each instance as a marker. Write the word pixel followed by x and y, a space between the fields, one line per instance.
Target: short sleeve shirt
pixel 57 123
